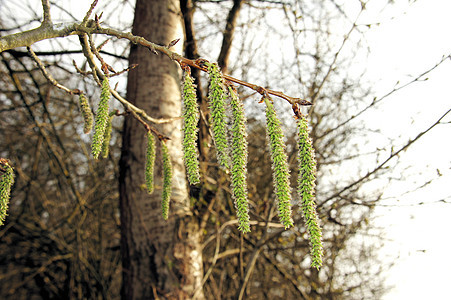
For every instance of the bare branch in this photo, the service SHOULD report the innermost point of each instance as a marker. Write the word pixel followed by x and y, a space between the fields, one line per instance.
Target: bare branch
pixel 332 65
pixel 223 59
pixel 48 76
pixel 46 11
pixel 88 14
pixel 44 32
pixel 380 166
pixel 377 100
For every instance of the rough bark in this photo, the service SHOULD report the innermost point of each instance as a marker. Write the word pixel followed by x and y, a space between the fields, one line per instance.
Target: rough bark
pixel 223 59
pixel 161 259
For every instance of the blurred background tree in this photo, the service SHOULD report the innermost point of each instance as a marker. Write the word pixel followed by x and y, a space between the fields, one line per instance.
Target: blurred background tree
pixel 62 236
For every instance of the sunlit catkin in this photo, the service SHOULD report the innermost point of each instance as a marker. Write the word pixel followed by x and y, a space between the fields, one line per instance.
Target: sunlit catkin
pixel 86 113
pixel 306 190
pixel 107 135
pixel 190 120
pixel 239 161
pixel 216 98
pixel 167 180
pixel 281 173
pixel 101 119
pixel 6 182
pixel 150 162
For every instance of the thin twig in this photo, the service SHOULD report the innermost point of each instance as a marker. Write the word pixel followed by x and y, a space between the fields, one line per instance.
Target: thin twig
pixel 234 222
pixel 46 11
pixel 286 275
pixel 88 14
pixel 48 76
pixel 332 65
pixel 141 112
pixel 131 67
pixel 104 66
pixel 249 270
pixel 198 63
pixel 380 166
pixel 90 58
pixel 80 71
pixel 254 256
pixel 377 100
pixel 152 129
pixel 98 74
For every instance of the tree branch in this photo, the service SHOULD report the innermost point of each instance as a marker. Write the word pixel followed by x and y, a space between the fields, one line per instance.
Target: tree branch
pixel 44 32
pixel 48 76
pixel 377 100
pixel 223 59
pixel 380 166
pixel 49 31
pixel 46 12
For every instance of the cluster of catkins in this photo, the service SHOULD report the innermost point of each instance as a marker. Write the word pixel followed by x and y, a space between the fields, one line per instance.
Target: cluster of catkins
pixel 231 147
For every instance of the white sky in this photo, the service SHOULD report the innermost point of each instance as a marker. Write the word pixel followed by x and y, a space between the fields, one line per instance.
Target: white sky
pixel 418 234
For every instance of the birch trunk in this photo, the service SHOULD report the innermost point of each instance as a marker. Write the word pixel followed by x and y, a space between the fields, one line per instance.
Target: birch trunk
pixel 160 259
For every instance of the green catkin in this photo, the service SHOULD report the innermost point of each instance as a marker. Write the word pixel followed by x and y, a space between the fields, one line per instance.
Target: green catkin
pixel 281 173
pixel 6 182
pixel 86 112
pixel 150 161
pixel 101 119
pixel 306 190
pixel 107 135
pixel 216 97
pixel 167 180
pixel 190 120
pixel 239 161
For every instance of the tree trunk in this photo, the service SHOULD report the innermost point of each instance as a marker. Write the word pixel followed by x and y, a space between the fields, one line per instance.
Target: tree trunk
pixel 160 259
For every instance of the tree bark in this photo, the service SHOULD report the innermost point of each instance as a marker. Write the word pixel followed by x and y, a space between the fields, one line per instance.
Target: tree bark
pixel 160 259
pixel 223 59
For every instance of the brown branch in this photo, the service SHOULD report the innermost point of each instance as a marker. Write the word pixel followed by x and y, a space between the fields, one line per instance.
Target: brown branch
pixel 286 275
pixel 49 31
pixel 43 133
pixel 223 58
pixel 254 256
pixel 131 67
pixel 198 63
pixel 152 129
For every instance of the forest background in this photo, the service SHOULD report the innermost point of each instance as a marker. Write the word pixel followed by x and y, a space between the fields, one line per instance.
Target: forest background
pixel 364 67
